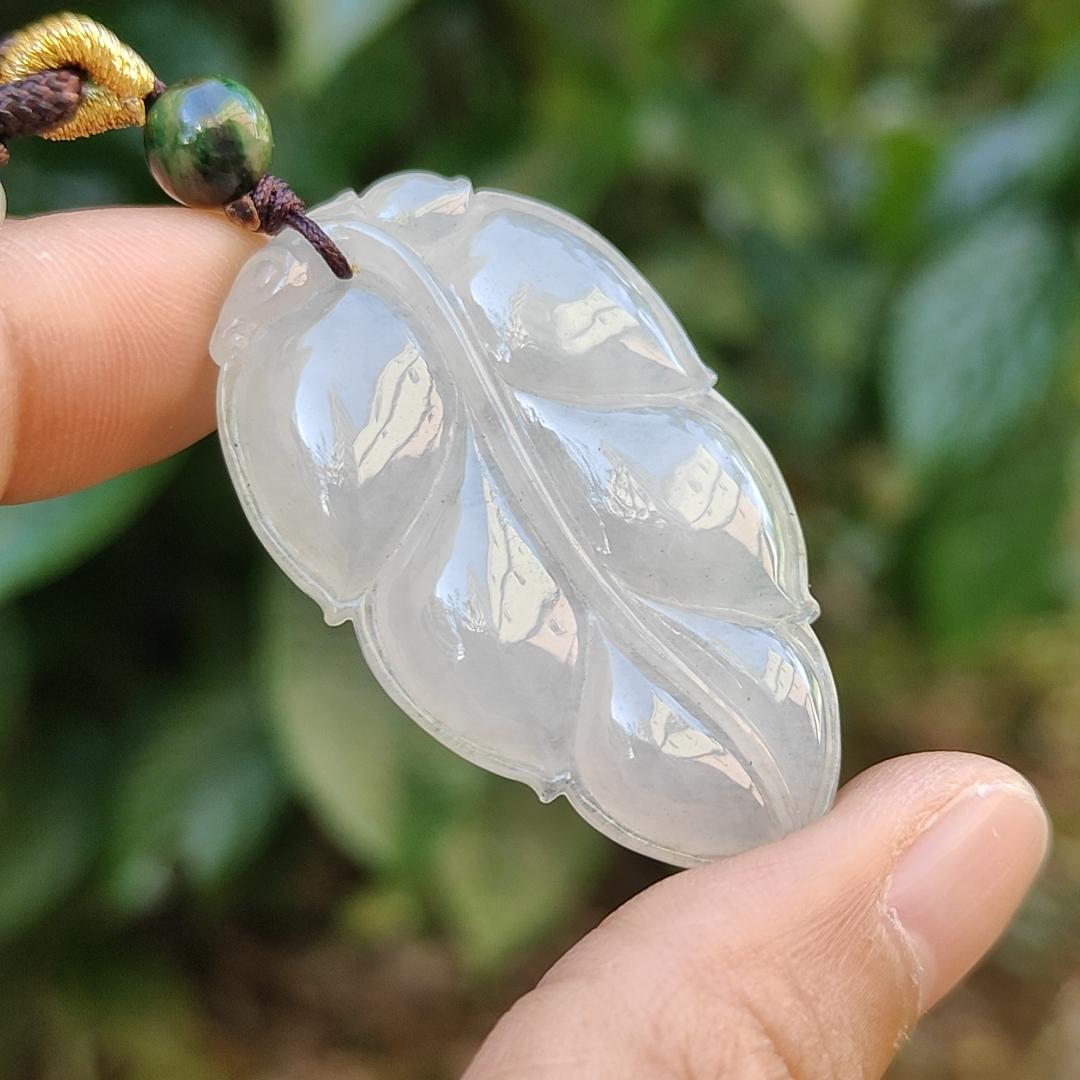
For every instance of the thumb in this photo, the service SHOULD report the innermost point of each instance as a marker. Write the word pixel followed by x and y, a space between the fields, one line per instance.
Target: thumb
pixel 809 958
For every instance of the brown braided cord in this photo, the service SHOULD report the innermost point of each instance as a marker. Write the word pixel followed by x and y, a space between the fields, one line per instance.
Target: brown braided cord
pixel 272 206
pixel 37 103
pixel 115 78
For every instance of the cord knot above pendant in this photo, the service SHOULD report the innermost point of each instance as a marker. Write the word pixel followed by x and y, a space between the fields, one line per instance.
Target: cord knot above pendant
pixel 208 141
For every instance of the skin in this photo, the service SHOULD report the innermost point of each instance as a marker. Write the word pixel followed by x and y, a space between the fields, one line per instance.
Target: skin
pixel 810 958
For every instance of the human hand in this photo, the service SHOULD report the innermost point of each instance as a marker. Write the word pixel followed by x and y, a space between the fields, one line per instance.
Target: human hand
pixel 810 958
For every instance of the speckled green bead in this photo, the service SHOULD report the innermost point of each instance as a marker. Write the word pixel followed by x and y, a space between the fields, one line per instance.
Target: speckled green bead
pixel 207 141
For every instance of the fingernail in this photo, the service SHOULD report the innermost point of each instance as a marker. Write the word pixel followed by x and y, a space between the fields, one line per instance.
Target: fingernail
pixel 955 888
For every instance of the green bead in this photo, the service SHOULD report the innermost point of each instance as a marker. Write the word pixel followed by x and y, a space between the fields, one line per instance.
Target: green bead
pixel 207 141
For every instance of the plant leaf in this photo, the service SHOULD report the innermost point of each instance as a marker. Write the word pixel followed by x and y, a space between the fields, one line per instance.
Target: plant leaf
pixel 990 549
pixel 565 556
pixel 14 670
pixel 321 35
pixel 511 871
pixel 196 799
pixel 134 1012
pixel 976 340
pixel 1029 150
pixel 830 22
pixel 50 814
pixel 341 737
pixel 725 310
pixel 378 786
pixel 40 541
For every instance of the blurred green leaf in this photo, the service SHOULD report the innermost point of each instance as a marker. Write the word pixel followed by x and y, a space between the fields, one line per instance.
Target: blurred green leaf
pixel 182 42
pixel 512 870
pixel 50 816
pixel 789 174
pixel 15 665
pixel 196 798
pixel 829 22
pixel 40 541
pixel 905 160
pixel 381 913
pixel 977 338
pixel 756 171
pixel 133 1012
pixel 38 181
pixel 838 316
pixel 320 35
pixel 1029 150
pixel 389 795
pixel 18 1012
pixel 990 549
pixel 387 82
pixel 576 145
pixel 341 736
pixel 381 787
pixel 706 288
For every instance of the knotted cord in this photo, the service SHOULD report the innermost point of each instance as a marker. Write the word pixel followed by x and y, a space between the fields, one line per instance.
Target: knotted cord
pixel 272 206
pixel 66 77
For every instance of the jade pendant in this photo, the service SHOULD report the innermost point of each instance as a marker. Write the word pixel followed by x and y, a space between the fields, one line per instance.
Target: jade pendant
pixel 496 453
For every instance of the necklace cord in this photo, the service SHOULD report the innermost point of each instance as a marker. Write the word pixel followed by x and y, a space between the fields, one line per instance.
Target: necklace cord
pixel 34 105
pixel 80 93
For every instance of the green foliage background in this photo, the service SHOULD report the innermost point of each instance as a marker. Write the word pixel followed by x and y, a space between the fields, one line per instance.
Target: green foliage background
pixel 222 853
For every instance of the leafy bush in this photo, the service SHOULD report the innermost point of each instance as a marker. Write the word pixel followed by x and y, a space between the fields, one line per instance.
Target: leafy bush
pixel 221 849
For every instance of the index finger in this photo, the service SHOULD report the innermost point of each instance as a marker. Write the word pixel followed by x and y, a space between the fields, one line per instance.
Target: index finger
pixel 105 316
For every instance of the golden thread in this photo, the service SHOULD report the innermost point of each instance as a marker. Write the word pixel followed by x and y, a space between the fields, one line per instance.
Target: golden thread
pixel 118 79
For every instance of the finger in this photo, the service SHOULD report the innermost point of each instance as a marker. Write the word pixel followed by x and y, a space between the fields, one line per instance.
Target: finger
pixel 105 316
pixel 809 958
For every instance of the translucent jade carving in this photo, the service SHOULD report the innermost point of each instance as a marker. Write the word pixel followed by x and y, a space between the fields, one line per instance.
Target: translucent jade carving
pixel 496 452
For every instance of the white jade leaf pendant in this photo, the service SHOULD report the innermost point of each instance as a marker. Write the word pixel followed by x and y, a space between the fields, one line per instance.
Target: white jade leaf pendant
pixel 496 452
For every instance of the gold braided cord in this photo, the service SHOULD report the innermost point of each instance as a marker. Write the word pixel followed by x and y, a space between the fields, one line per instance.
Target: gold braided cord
pixel 118 79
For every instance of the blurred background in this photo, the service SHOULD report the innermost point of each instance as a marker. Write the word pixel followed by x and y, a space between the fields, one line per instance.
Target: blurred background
pixel 223 854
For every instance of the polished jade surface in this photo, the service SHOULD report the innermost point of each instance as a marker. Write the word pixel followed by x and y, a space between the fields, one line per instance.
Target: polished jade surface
pixel 497 454
pixel 207 141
